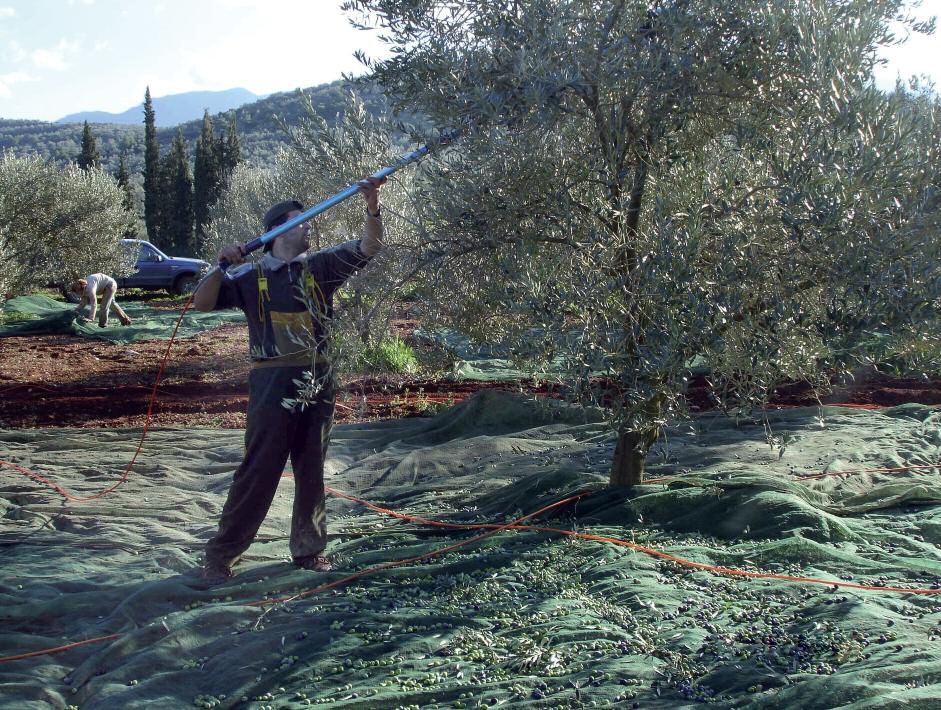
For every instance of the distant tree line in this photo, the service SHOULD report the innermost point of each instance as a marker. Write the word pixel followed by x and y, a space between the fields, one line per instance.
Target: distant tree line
pixel 168 189
pixel 59 142
pixel 177 199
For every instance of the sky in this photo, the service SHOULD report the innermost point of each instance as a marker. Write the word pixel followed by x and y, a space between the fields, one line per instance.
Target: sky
pixel 64 56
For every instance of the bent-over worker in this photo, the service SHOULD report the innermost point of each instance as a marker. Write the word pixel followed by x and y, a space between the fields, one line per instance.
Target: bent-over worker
pixel 88 288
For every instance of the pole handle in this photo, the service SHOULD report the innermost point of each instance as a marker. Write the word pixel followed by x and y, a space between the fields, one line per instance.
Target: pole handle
pixel 336 199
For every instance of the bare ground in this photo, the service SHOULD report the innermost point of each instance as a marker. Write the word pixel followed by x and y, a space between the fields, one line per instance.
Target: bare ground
pixel 64 381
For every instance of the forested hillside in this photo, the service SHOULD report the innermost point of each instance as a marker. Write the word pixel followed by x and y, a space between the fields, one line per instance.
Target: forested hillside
pixel 258 129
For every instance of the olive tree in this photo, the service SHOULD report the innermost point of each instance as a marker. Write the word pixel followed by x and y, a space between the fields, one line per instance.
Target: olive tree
pixel 644 186
pixel 58 223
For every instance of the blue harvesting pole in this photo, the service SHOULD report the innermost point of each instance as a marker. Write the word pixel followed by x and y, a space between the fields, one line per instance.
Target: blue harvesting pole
pixel 317 209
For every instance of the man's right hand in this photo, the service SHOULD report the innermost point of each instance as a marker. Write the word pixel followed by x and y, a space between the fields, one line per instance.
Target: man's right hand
pixel 232 254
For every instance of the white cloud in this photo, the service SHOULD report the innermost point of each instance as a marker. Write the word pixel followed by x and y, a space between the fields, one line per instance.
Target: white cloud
pixel 236 4
pixel 7 12
pixel 14 52
pixel 222 62
pixel 55 58
pixel 49 59
pixel 8 80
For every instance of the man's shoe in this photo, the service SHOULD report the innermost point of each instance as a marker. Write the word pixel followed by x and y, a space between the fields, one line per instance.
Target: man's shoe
pixel 216 573
pixel 315 563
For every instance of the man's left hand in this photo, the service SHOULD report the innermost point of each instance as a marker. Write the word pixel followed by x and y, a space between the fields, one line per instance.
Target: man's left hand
pixel 369 187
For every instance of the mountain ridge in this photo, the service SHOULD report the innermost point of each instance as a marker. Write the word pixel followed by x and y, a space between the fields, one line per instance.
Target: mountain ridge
pixel 259 132
pixel 172 109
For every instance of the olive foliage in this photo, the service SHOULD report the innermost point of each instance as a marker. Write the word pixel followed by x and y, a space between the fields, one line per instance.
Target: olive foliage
pixel 644 187
pixel 318 160
pixel 58 224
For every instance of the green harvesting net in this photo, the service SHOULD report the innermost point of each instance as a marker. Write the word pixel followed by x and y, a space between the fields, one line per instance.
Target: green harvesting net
pixel 520 619
pixel 483 362
pixel 41 315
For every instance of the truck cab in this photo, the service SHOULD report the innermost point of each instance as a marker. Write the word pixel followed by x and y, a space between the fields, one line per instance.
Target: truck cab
pixel 156 270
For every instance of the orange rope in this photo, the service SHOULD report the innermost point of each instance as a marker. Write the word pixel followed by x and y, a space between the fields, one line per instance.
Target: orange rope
pixel 57 649
pixel 646 550
pixel 897 469
pixel 849 405
pixel 127 469
pixel 494 529
pixel 825 474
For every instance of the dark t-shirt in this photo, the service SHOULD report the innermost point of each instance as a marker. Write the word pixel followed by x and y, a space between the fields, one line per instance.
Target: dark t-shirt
pixel 289 305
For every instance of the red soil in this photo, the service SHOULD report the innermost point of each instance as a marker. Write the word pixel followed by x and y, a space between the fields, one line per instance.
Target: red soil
pixel 52 381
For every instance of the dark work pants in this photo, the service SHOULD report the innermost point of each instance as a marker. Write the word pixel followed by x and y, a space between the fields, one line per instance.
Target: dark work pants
pixel 272 434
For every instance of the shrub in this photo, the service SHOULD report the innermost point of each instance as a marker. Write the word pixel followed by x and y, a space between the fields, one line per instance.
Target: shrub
pixel 57 224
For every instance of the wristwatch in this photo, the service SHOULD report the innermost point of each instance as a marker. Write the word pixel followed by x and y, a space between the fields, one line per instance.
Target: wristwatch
pixel 378 212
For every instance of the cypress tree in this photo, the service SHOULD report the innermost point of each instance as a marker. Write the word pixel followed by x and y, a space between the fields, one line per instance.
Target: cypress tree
pixel 207 179
pixel 89 157
pixel 123 178
pixel 152 178
pixel 178 219
pixel 231 150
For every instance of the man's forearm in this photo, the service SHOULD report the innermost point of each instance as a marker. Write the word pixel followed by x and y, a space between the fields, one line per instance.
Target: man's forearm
pixel 372 234
pixel 207 292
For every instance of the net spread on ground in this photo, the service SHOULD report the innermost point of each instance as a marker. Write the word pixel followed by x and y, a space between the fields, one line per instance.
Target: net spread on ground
pixel 41 315
pixel 522 618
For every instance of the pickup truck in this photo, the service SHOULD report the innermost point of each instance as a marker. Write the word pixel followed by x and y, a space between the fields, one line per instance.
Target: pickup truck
pixel 155 270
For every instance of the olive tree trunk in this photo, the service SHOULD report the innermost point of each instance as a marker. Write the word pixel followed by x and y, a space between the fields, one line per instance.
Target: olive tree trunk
pixel 630 453
pixel 630 457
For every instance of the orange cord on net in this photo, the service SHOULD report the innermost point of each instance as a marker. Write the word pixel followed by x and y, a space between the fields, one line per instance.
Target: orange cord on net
pixel 491 527
pixel 58 649
pixel 640 548
pixel 140 445
pixel 896 469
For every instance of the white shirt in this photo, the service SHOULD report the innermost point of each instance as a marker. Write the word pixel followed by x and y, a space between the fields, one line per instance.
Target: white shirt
pixel 95 283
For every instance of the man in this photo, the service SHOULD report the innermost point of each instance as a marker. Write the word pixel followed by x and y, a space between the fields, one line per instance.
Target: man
pixel 287 297
pixel 87 289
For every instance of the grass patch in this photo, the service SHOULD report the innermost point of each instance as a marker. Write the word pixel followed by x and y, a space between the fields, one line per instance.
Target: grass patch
pixel 13 316
pixel 390 355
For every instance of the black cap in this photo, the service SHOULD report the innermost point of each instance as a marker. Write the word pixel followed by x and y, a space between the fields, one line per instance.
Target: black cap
pixel 279 210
